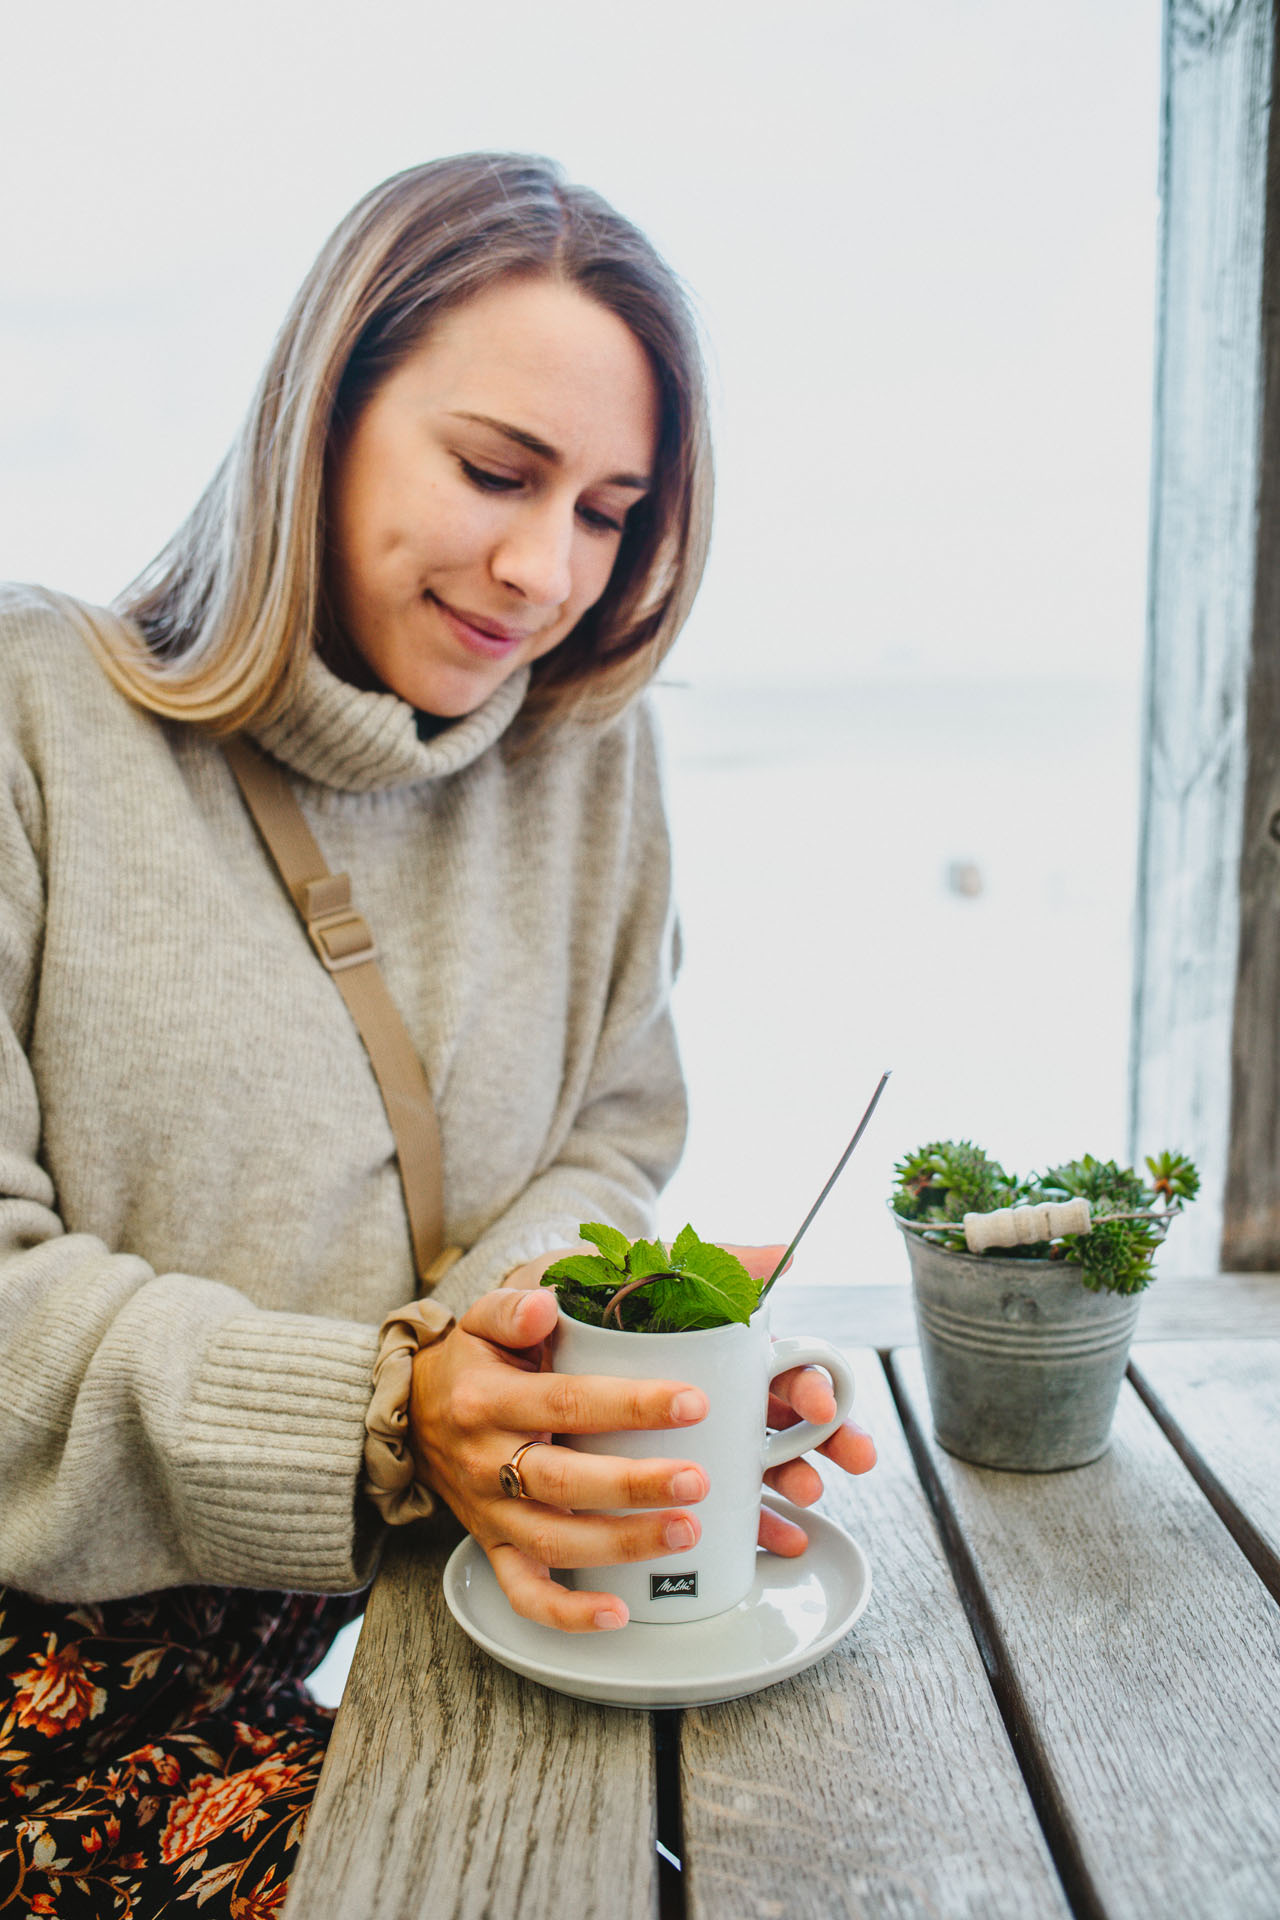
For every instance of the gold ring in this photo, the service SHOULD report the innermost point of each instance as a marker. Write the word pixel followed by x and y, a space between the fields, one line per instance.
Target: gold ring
pixel 509 1478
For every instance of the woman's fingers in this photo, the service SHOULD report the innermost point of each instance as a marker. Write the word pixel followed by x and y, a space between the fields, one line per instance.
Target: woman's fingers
pixel 797 1480
pixel 562 1477
pixel 804 1393
pixel 850 1447
pixel 521 1403
pixel 552 1538
pixel 807 1391
pixel 534 1595
pixel 512 1317
pixel 758 1261
pixel 781 1536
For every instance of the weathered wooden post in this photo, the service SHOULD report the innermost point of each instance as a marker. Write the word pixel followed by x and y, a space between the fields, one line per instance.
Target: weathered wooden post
pixel 1206 1029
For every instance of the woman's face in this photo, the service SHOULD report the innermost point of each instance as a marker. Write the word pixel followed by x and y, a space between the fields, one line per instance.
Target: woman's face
pixel 477 505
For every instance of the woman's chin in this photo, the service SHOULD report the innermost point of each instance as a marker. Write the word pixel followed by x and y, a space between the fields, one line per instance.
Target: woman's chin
pixel 447 690
pixel 452 697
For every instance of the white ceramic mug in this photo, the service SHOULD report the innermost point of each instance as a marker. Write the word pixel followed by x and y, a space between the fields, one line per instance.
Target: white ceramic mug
pixel 733 1365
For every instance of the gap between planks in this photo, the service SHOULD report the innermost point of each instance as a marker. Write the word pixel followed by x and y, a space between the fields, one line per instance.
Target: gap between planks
pixel 670 1824
pixel 1255 1548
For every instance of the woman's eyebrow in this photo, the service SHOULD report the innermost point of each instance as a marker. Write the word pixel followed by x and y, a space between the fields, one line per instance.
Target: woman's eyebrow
pixel 634 482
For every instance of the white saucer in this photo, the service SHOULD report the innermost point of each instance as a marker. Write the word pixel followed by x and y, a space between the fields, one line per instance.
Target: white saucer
pixel 796 1611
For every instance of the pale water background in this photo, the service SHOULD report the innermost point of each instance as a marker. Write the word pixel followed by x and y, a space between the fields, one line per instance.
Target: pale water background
pixel 815 830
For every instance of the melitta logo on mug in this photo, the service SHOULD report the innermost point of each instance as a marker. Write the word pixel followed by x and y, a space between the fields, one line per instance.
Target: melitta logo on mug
pixel 663 1585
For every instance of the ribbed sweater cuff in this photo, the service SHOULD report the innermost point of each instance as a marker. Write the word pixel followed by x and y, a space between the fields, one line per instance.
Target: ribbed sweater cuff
pixel 273 1447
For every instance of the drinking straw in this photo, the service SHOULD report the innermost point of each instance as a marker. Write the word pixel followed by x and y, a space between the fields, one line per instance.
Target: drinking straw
pixel 858 1132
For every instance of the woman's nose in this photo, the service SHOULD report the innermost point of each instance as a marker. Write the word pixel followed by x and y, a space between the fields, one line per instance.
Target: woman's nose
pixel 535 555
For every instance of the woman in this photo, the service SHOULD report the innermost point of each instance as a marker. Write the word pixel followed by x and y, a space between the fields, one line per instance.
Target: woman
pixel 462 525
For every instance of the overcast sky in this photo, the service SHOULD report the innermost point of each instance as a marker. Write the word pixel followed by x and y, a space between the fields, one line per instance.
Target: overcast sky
pixel 921 239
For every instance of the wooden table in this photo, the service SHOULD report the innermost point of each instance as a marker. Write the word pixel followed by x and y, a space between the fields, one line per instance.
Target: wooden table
pixel 1064 1697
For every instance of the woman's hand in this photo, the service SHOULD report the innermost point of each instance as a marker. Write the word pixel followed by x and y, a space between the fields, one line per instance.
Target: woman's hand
pixel 479 1394
pixel 802 1394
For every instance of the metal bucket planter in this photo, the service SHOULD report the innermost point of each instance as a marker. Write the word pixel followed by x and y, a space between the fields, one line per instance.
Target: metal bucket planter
pixel 1022 1362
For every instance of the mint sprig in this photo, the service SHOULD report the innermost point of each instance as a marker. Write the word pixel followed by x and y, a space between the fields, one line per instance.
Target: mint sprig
pixel 691 1285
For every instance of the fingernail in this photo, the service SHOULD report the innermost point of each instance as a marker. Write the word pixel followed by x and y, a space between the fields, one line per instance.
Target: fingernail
pixel 609 1622
pixel 680 1533
pixel 687 1485
pixel 689 1405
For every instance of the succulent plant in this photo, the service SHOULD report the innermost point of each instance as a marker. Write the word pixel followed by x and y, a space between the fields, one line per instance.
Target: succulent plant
pixel 942 1181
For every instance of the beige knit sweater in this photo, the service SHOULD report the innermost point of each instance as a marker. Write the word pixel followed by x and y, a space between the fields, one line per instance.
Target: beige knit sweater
pixel 201 1221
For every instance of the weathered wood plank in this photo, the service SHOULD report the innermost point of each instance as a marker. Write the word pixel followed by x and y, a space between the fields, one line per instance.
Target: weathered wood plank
pixel 1220 1402
pixel 455 1791
pixel 1251 1227
pixel 882 1781
pixel 1242 1305
pixel 1208 954
pixel 1146 1658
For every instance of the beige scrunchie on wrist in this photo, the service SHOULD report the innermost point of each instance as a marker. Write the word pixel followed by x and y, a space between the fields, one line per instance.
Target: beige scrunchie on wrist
pixel 388 1463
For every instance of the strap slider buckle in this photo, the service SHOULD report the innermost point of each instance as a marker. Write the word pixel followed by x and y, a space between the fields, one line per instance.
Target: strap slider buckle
pixel 341 936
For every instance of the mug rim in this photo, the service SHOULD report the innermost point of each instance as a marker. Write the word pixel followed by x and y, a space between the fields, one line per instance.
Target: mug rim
pixel 675 1333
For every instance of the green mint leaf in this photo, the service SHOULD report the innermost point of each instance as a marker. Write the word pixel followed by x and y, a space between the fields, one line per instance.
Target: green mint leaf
pixel 646 1257
pixel 585 1270
pixel 682 1303
pixel 716 1266
pixel 678 1305
pixel 612 1244
pixel 723 1282
pixel 685 1241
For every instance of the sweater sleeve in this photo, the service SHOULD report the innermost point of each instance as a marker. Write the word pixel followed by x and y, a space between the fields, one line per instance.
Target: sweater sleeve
pixel 625 1138
pixel 155 1428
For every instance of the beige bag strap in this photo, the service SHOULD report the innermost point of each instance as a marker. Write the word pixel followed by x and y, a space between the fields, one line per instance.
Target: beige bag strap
pixel 345 944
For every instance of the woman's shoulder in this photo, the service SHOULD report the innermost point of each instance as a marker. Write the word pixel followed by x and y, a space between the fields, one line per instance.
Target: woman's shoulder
pixel 39 627
pixel 57 700
pixel 47 645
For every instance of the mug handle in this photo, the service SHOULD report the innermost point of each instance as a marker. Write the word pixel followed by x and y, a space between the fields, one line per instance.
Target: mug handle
pixel 794 1350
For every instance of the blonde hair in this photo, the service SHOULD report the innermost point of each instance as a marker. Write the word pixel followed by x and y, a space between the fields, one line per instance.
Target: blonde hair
pixel 217 630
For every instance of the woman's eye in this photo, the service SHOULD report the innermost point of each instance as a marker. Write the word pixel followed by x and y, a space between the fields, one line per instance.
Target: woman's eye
pixel 486 481
pixel 600 522
pixel 489 482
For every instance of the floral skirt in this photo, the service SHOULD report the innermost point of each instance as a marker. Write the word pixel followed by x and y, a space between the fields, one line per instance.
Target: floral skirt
pixel 158 1755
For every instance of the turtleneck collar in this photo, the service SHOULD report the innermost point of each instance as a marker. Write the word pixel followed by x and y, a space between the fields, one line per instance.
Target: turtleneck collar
pixel 343 736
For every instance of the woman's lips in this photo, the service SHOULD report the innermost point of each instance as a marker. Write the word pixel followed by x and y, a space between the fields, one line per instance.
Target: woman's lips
pixel 490 640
